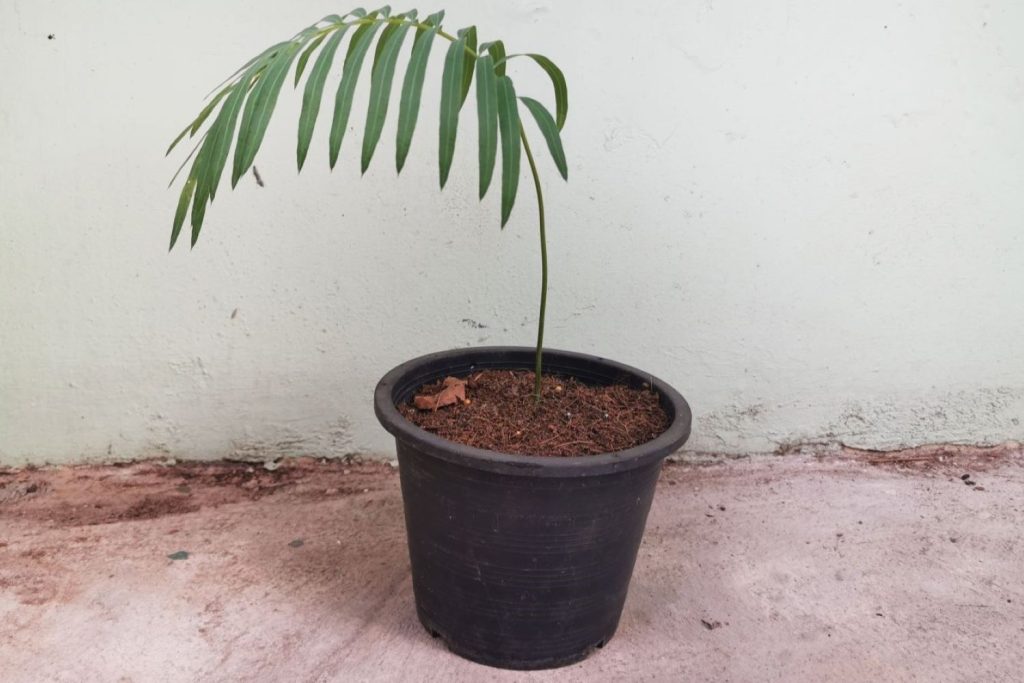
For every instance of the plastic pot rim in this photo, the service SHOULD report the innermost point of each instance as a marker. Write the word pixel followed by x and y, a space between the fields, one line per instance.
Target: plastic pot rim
pixel 398 384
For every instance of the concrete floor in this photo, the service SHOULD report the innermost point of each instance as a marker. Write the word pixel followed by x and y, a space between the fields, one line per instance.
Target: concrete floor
pixel 851 566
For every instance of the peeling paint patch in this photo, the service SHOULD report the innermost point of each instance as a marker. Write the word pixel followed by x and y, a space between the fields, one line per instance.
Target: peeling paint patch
pixel 954 417
pixel 982 416
pixel 334 441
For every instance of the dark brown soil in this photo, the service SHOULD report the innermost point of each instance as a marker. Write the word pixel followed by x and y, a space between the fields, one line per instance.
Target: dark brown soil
pixel 500 414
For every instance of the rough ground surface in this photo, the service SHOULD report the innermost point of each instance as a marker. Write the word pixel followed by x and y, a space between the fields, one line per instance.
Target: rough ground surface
pixel 852 566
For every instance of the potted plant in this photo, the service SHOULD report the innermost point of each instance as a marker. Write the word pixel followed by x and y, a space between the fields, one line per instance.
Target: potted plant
pixel 521 552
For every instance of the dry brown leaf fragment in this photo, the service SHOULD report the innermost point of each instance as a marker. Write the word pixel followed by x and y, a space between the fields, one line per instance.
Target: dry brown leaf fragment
pixel 453 390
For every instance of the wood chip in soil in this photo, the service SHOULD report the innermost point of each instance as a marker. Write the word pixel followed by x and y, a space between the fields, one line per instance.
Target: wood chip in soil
pixel 498 413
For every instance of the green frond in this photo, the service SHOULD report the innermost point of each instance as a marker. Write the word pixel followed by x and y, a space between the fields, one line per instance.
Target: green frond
pixel 239 110
pixel 381 77
pixel 306 54
pixel 357 48
pixel 451 102
pixel 412 86
pixel 469 61
pixel 258 108
pixel 557 82
pixel 487 118
pixel 549 129
pixel 508 125
pixel 497 51
pixel 313 93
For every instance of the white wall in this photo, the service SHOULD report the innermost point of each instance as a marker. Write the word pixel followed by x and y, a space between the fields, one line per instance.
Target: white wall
pixel 805 215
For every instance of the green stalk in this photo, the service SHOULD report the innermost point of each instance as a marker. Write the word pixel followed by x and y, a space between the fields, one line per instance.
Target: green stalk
pixel 543 265
pixel 538 356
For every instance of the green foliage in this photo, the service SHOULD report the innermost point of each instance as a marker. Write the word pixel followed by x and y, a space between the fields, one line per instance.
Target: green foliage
pixel 361 41
pixel 412 87
pixel 251 94
pixel 241 107
pixel 509 127
pixel 312 94
pixel 549 129
pixel 451 103
pixel 487 118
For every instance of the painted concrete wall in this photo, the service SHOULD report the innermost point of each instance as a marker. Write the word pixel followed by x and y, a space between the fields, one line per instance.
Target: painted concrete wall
pixel 805 215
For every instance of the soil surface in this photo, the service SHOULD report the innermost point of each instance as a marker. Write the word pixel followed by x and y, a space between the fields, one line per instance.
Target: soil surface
pixel 496 410
pixel 852 566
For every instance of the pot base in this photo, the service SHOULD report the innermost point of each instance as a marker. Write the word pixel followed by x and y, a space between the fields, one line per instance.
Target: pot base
pixel 487 659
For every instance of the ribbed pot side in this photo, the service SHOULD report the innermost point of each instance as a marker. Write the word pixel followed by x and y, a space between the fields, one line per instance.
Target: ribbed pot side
pixel 522 562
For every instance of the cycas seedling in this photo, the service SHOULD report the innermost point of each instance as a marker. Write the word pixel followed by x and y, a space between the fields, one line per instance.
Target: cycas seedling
pixel 242 106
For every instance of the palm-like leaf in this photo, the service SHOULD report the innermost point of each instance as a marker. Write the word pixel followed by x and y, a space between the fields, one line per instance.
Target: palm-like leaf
pixel 497 51
pixel 469 63
pixel 314 91
pixel 549 129
pixel 508 125
pixel 240 109
pixel 487 118
pixel 300 67
pixel 412 87
pixel 251 94
pixel 258 108
pixel 451 102
pixel 558 82
pixel 361 41
pixel 381 77
pixel 197 123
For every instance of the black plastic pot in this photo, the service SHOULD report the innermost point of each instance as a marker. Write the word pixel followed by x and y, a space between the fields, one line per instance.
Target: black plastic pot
pixel 522 562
